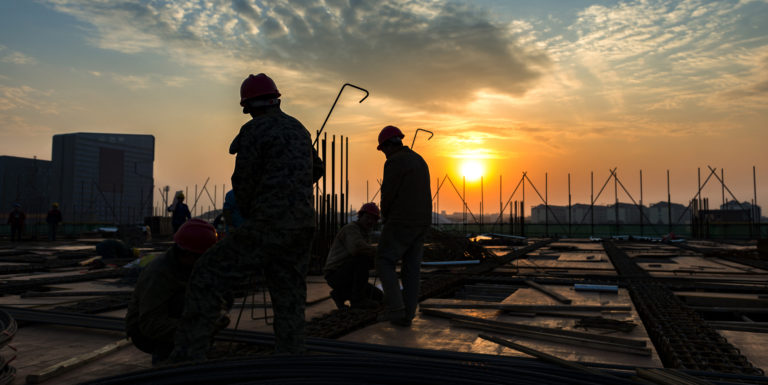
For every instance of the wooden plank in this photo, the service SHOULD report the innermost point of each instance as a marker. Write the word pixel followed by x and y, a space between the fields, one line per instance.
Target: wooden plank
pixel 75 362
pixel 544 356
pixel 605 346
pixel 524 308
pixel 556 296
pixel 568 333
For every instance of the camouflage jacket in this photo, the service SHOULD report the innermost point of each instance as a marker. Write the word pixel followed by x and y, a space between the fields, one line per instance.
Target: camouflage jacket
pixel 273 174
pixel 406 196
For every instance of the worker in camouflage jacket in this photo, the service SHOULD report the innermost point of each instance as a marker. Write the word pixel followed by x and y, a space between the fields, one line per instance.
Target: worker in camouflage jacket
pixel 272 180
pixel 406 211
pixel 158 298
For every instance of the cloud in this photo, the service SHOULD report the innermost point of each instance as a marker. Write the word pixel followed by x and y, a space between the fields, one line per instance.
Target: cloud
pixel 426 53
pixel 140 82
pixel 25 98
pixel 14 57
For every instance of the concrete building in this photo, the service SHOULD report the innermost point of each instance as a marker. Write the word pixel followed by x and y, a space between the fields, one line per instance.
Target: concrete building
pixel 25 181
pixel 103 177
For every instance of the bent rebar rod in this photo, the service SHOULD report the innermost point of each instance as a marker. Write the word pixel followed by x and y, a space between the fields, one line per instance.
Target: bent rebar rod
pixel 334 106
pixel 431 134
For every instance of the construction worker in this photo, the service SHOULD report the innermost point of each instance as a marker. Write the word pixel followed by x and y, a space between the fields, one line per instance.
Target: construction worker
pixel 273 181
pixel 158 298
pixel 406 209
pixel 350 258
pixel 53 219
pixel 114 249
pixel 180 211
pixel 16 219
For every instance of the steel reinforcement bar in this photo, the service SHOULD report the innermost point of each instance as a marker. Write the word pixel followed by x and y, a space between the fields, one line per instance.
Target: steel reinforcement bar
pixel 682 339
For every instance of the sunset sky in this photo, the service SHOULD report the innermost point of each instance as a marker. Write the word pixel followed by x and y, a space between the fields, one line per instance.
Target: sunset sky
pixel 510 86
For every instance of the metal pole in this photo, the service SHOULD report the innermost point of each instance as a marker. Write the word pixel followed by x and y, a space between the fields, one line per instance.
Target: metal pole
pixel 754 206
pixel 482 201
pixel 341 181
pixel 569 204
pixel 346 189
pixel 641 202
pixel 464 206
pixel 698 171
pixel 616 197
pixel 669 204
pixel 522 210
pixel 501 209
pixel 546 204
pixel 333 184
pixel 722 183
pixel 592 201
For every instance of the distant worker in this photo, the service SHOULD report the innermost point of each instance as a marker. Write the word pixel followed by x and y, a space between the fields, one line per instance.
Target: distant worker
pixel 158 298
pixel 272 180
pixel 406 210
pixel 180 211
pixel 350 258
pixel 232 217
pixel 16 219
pixel 53 219
pixel 115 249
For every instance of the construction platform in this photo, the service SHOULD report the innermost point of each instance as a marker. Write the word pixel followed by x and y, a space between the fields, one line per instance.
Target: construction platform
pixel 700 307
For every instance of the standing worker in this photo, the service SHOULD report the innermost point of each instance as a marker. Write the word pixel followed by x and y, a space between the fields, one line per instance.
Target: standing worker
pixel 180 212
pixel 158 299
pixel 272 180
pixel 53 219
pixel 16 220
pixel 406 209
pixel 350 258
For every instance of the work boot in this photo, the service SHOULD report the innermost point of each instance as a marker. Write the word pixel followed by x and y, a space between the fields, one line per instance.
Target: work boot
pixel 338 300
pixel 365 303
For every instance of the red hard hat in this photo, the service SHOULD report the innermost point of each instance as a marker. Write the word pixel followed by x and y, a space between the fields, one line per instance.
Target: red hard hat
pixel 370 208
pixel 257 85
pixel 196 235
pixel 387 133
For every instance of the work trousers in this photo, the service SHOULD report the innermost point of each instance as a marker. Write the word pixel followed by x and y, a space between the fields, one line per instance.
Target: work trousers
pixel 350 281
pixel 16 233
pixel 52 231
pixel 406 243
pixel 283 254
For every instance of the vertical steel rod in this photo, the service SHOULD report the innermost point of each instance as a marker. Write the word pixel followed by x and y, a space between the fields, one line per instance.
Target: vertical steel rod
pixel 592 201
pixel 669 205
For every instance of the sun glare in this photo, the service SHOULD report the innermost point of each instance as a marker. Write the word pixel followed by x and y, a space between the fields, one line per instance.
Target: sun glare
pixel 472 170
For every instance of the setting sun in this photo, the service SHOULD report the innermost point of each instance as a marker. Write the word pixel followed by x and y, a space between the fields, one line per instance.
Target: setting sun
pixel 472 170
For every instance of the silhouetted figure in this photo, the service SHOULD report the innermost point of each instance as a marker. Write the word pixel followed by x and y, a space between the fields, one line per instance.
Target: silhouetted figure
pixel 16 220
pixel 53 219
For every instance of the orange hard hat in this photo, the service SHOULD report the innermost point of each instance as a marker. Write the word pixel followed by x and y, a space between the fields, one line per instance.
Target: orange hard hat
pixel 257 85
pixel 370 208
pixel 195 235
pixel 388 133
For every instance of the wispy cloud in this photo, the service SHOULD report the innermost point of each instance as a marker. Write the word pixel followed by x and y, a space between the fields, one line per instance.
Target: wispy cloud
pixel 420 52
pixel 15 57
pixel 25 97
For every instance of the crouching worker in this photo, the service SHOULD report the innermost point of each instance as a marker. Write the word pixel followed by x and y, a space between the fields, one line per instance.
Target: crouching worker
pixel 158 299
pixel 350 258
